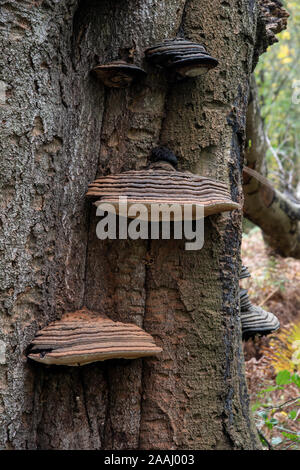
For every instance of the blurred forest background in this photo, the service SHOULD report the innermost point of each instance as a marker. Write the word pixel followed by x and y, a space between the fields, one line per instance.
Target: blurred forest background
pixel 273 362
pixel 278 77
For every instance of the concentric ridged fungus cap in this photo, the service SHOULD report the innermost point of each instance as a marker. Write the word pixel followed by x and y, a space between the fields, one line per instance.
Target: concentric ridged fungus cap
pixel 255 320
pixel 83 337
pixel 245 302
pixel 189 59
pixel 118 74
pixel 244 273
pixel 162 186
pixel 258 321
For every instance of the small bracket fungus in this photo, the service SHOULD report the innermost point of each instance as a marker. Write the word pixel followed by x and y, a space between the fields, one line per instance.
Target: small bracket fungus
pixel 161 183
pixel 83 337
pixel 118 74
pixel 255 320
pixel 244 273
pixel 182 57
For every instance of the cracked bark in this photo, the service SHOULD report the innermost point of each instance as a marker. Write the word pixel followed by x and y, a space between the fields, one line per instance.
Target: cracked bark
pixel 272 19
pixel 61 128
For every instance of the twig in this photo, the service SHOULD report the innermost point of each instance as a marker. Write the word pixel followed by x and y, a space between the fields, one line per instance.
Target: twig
pixel 286 403
pixel 290 445
pixel 269 297
pixel 289 431
pixel 274 153
pixel 265 439
pixel 296 417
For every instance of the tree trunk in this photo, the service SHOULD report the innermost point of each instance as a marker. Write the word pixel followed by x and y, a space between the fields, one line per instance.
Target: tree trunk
pixel 59 129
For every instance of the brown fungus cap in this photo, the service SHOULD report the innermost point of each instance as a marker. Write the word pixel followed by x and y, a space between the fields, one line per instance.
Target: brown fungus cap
pixel 162 186
pixel 118 74
pixel 186 58
pixel 83 337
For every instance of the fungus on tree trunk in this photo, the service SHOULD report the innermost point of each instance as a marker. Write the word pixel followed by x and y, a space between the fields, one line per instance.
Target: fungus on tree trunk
pixel 118 74
pixel 162 184
pixel 244 273
pixel 182 57
pixel 83 337
pixel 255 320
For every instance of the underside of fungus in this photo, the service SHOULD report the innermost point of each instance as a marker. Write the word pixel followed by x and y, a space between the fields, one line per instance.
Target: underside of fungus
pixel 161 186
pixel 118 74
pixel 83 337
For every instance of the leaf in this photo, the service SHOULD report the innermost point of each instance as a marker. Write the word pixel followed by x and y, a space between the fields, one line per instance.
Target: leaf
pixel 275 441
pixel 283 377
pixel 292 437
pixel 263 441
pixel 262 414
pixel 270 389
pixel 292 414
pixel 296 379
pixel 285 35
pixel 256 406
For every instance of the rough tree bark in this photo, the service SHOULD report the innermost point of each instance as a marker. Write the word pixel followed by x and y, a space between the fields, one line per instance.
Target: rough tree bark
pixel 274 212
pixel 59 129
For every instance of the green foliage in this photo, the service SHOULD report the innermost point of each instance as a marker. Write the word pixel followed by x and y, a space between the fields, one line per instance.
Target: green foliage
pixel 271 418
pixel 277 74
pixel 283 377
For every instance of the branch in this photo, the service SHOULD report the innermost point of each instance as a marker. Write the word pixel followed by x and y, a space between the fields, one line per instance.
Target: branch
pixel 269 445
pixel 274 153
pixel 269 297
pixel 283 405
pixel 277 214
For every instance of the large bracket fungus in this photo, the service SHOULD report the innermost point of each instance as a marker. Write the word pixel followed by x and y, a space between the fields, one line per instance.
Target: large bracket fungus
pixel 182 57
pixel 118 74
pixel 83 337
pixel 161 183
pixel 254 319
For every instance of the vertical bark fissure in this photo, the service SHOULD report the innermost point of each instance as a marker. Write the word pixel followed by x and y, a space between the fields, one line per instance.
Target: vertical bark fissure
pixel 146 287
pixel 85 404
pixel 229 276
pixel 86 258
pixel 180 31
pixel 168 92
pixel 90 209
pixel 106 417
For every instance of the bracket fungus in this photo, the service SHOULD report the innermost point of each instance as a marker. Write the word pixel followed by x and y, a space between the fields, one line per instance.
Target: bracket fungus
pixel 255 320
pixel 83 337
pixel 244 273
pixel 184 58
pixel 118 74
pixel 161 183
